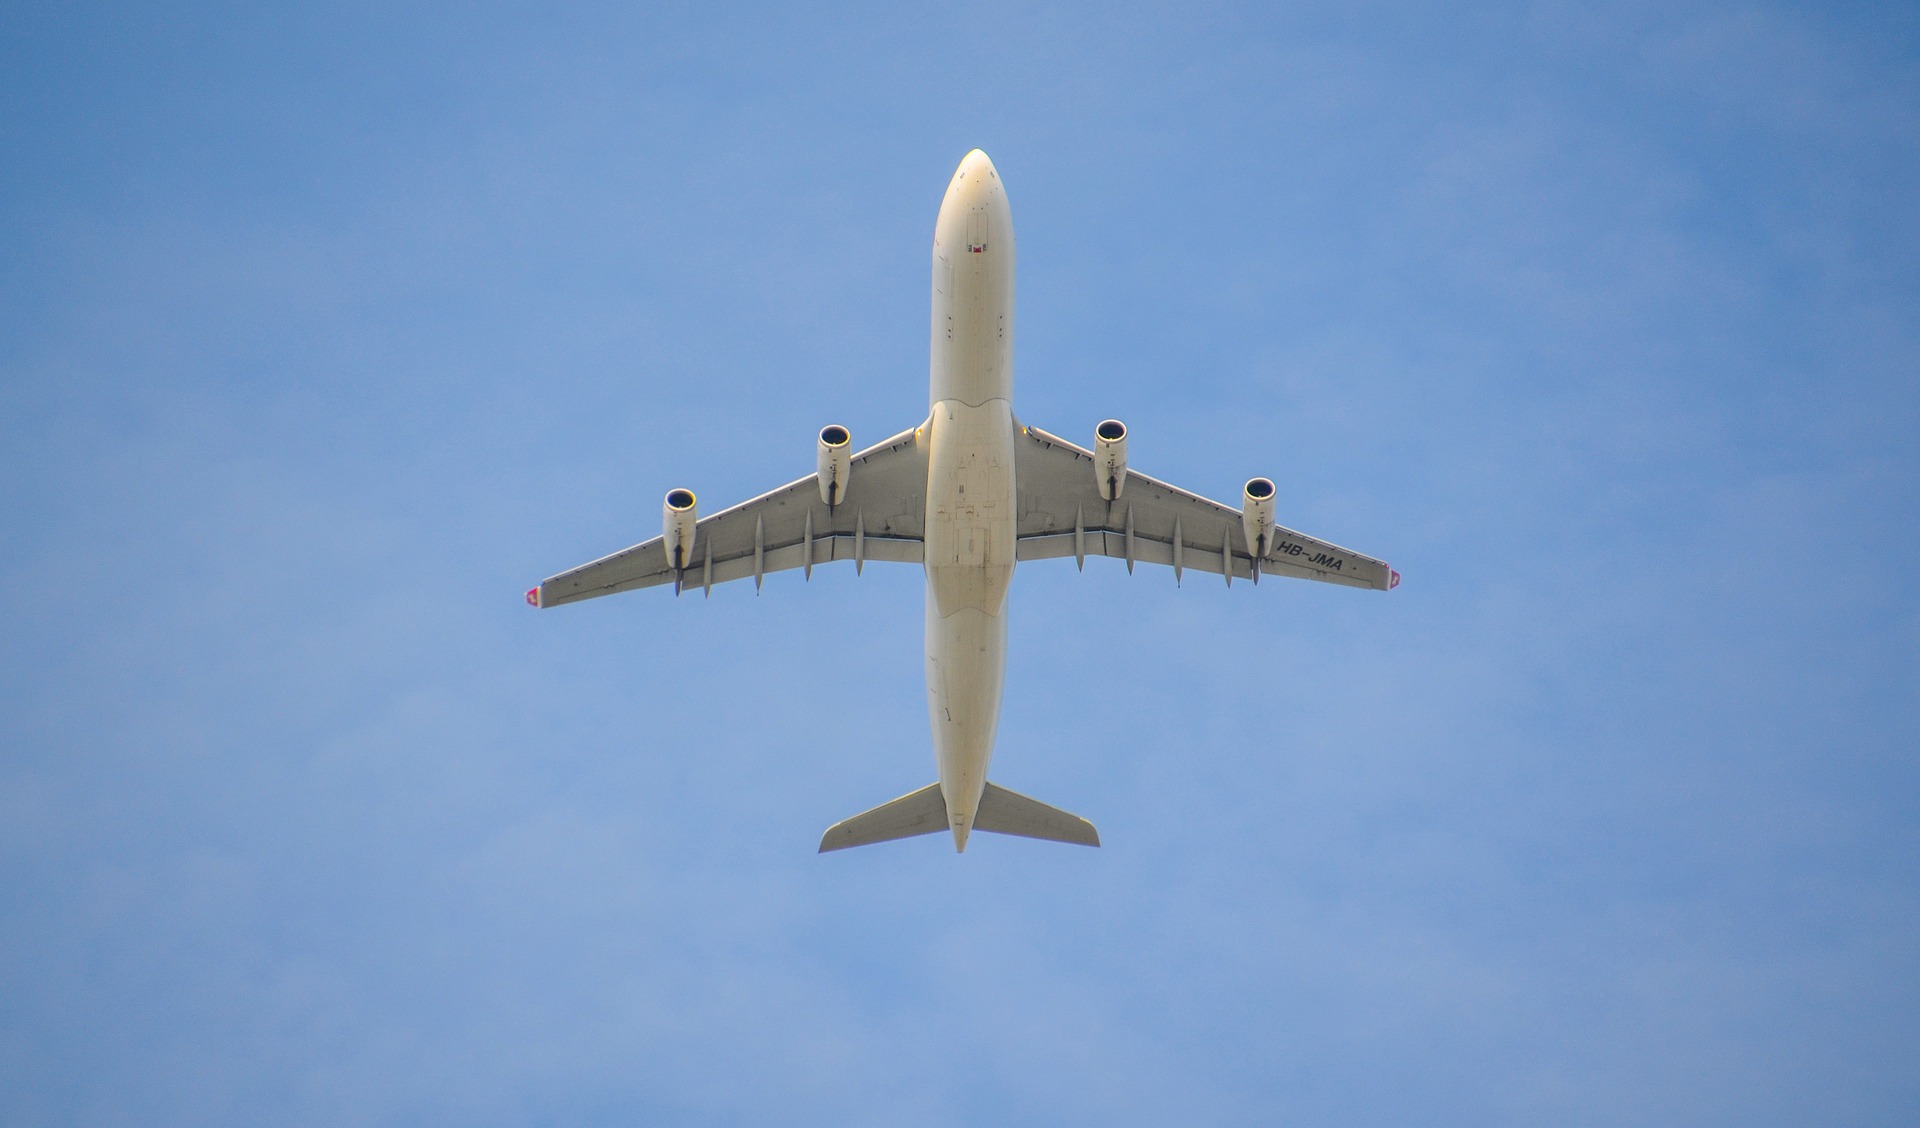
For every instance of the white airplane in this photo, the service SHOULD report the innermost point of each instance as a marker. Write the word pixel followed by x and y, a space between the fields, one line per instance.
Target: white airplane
pixel 968 494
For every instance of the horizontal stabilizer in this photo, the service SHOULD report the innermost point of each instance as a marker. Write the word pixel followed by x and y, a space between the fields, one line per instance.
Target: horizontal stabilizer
pixel 923 812
pixel 1009 812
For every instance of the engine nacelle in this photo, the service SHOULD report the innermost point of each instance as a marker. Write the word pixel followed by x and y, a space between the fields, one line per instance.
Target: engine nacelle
pixel 1110 457
pixel 1256 516
pixel 835 462
pixel 677 519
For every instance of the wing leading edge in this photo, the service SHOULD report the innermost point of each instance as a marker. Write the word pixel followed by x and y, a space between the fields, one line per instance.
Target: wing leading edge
pixel 1063 514
pixel 881 517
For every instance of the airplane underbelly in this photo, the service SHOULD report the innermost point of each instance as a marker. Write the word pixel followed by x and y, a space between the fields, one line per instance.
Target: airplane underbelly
pixel 966 673
pixel 971 514
pixel 969 561
pixel 973 261
pixel 971 506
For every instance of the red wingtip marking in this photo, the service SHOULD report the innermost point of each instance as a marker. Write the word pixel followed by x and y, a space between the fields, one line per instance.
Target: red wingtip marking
pixel 533 597
pixel 1393 579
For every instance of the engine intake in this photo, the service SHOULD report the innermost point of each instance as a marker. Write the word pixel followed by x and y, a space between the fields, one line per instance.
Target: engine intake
pixel 1110 457
pixel 1256 516
pixel 835 462
pixel 677 520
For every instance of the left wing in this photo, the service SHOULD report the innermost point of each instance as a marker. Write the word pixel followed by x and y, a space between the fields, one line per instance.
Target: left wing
pixel 881 517
pixel 1063 514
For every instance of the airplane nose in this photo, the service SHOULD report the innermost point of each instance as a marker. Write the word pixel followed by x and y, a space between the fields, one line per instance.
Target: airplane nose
pixel 976 177
pixel 975 183
pixel 973 216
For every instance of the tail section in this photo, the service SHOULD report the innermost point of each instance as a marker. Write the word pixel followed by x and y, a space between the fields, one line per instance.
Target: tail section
pixel 1009 812
pixel 925 812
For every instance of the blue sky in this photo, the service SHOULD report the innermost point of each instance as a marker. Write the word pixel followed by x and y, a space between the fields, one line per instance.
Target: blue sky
pixel 323 334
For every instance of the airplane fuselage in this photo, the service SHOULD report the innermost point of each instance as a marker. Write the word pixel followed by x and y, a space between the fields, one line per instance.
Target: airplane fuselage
pixel 971 499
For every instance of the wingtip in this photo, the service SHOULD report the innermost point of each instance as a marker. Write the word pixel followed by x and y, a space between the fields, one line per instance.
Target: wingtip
pixel 1393 579
pixel 533 596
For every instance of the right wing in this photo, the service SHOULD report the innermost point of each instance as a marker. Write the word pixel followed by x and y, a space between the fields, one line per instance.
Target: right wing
pixel 882 517
pixel 1063 514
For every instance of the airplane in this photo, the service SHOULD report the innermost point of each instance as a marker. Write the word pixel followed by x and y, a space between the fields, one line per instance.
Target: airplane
pixel 967 495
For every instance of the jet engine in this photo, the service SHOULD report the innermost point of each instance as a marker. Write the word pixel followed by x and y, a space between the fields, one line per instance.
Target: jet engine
pixel 1110 457
pixel 677 519
pixel 1256 516
pixel 835 462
